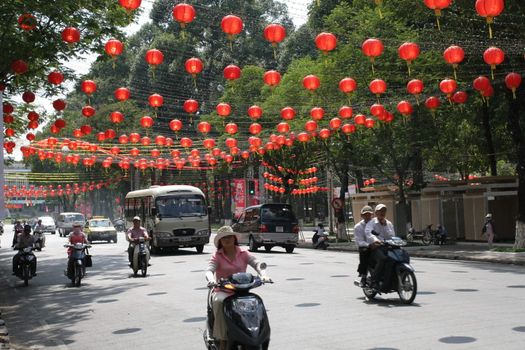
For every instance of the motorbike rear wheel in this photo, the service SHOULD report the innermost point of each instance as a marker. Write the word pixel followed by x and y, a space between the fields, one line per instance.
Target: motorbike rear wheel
pixel 407 286
pixel 427 238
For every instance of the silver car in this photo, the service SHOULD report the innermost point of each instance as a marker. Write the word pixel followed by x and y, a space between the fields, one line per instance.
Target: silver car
pixel 48 223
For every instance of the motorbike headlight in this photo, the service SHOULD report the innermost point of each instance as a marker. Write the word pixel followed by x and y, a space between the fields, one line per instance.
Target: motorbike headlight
pixel 202 233
pixel 245 305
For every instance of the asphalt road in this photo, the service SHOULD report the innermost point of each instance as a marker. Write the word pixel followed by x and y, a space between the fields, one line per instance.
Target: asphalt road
pixel 312 305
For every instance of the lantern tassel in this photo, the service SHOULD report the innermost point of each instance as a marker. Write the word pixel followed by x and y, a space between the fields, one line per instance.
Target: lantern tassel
pixel 490 30
pixel 408 65
pixel 492 67
pixel 438 24
pixel 194 81
pixel 514 93
pixel 455 71
pixel 274 45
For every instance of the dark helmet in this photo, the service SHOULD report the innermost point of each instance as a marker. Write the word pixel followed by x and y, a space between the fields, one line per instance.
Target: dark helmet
pixel 27 228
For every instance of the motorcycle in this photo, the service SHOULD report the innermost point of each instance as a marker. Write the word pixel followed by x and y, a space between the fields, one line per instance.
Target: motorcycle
pixel 140 257
pixel 244 312
pixel 320 241
pixel 40 240
pixel 23 270
pixel 401 276
pixel 77 263
pixel 119 226
pixel 1 227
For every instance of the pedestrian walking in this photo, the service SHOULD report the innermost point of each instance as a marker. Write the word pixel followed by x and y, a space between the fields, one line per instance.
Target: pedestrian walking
pixel 489 230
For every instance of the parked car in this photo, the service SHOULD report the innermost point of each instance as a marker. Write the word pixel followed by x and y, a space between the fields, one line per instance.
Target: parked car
pixel 48 223
pixel 100 228
pixel 66 220
pixel 268 225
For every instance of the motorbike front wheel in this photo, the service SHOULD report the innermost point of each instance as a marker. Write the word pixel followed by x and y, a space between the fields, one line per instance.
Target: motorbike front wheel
pixel 143 265
pixel 427 238
pixel 25 274
pixel 407 286
pixel 77 276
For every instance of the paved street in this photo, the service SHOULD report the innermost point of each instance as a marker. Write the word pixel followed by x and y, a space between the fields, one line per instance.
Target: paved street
pixel 312 305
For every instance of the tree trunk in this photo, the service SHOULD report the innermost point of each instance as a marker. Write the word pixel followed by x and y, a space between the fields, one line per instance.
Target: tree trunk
pixel 485 117
pixel 513 124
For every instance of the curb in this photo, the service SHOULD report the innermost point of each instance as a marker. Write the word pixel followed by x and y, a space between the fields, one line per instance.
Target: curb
pixel 4 335
pixel 478 256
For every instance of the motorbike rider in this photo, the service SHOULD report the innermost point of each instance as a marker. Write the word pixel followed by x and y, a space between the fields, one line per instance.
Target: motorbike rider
pixel 379 229
pixel 77 236
pixel 119 224
pixel 133 234
pixel 362 241
pixel 227 260
pixel 320 237
pixel 39 228
pixel 24 240
pixel 18 228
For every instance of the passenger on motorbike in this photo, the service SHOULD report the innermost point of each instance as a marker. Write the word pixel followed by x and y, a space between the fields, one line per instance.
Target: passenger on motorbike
pixel 18 228
pixel 362 241
pixel 133 234
pixel 77 236
pixel 379 229
pixel 24 240
pixel 227 260
pixel 39 228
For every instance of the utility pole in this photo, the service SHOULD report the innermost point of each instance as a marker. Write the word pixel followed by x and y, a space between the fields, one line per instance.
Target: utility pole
pixel 330 198
pixel 2 176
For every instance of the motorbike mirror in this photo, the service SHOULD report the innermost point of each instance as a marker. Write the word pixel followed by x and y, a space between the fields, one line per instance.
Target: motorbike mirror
pixel 263 266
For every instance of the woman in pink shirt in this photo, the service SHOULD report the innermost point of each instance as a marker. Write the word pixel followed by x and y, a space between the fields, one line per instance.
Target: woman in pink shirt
pixel 227 260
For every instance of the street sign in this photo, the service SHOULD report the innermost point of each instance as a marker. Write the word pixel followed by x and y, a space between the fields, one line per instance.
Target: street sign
pixel 337 203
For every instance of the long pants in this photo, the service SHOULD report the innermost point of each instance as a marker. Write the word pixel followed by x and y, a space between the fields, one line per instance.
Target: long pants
pixel 219 324
pixel 364 256
pixel 379 256
pixel 490 239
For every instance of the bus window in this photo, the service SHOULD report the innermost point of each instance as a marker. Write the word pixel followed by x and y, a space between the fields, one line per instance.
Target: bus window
pixel 180 206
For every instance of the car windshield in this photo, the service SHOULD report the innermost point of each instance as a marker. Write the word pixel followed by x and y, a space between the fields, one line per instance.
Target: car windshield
pixel 277 213
pixel 46 220
pixel 100 223
pixel 180 206
pixel 74 218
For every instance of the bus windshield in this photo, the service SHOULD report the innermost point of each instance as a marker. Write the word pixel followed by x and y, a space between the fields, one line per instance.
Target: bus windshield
pixel 180 206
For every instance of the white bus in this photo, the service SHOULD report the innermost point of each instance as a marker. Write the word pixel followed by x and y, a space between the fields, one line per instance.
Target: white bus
pixel 174 216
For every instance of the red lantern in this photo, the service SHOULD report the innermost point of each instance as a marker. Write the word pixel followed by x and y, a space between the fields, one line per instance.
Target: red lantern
pixel 359 119
pixel 101 137
pixel 184 14
pixel 204 127
pixel 155 153
pixel 193 66
pixel 460 97
pixel 9 132
pixel 377 87
pixel 60 123
pixel 283 127
pixel 493 56
pixel 28 97
pixel 116 117
pixel 481 83
pixel 88 111
pixel 146 122
pixel 55 78
pixel 110 134
pixel 324 134
pixel 186 142
pixel 30 136
pixel 175 125
pixel 454 55
pixel 134 137
pixel 19 67
pixel 448 86
pixel 345 112
pixel 208 143
pixel 130 5
pixel 231 128
pixel 274 33
pixel 71 35
pixel 311 82
pixel 369 123
pixel 230 142
pixel 231 25
pixel 437 6
pixel 303 137
pixel 33 124
pixel 232 72
pixel 134 152
pixel 8 108
pixel 408 52
pixel 154 57
pixel 513 81
pixel 33 116
pixel 272 78
pixel 310 126
pixel 27 22
pixel 489 9
pixel 106 163
pixel 325 42
pixel 255 112
pixel 86 129
pixel 335 123
pixel 432 103
pixel 88 87
pixel 415 87
pixel 255 128
pixel 77 133
pixel 223 109
pixel 122 94
pixel 287 113
pixel 145 141
pixel 488 92
pixel 156 100
pixel 8 119
pixel 377 110
pixel 114 47
pixel 347 85
pixel 190 106
pixel 372 48
pixel 405 108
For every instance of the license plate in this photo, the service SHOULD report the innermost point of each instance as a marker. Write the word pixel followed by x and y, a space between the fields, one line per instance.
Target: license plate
pixel 184 239
pixel 279 229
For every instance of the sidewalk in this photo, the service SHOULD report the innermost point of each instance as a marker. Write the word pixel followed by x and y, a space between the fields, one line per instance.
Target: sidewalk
pixel 472 251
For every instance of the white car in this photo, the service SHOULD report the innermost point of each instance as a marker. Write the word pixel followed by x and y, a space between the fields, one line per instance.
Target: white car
pixel 48 223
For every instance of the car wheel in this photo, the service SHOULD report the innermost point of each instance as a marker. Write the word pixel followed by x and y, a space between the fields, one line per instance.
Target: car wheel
pixel 252 245
pixel 200 248
pixel 268 248
pixel 289 249
pixel 115 240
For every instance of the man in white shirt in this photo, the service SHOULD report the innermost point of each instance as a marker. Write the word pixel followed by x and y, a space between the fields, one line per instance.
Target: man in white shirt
pixel 362 241
pixel 379 229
